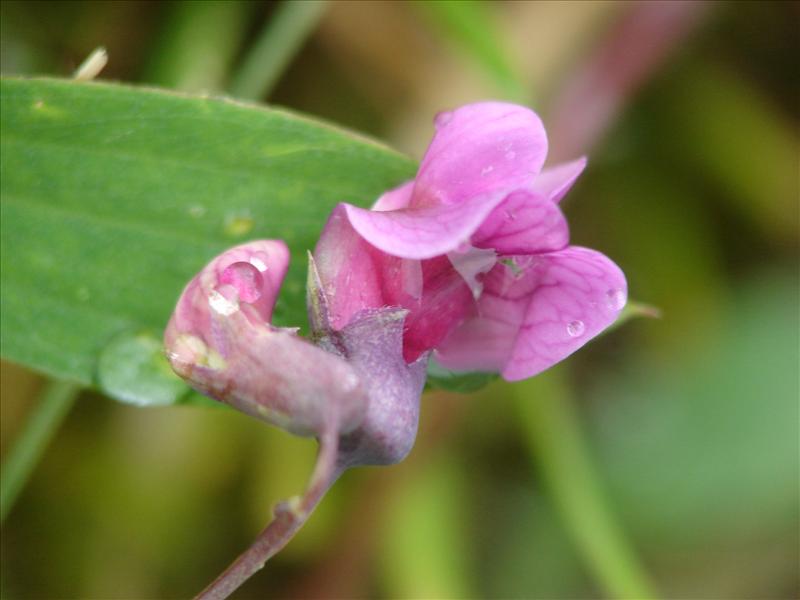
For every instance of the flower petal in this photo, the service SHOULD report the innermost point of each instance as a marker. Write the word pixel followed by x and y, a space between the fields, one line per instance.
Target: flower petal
pixel 396 198
pixel 446 301
pixel 524 223
pixel 480 149
pixel 554 182
pixel 220 340
pixel 250 273
pixel 424 232
pixel 479 154
pixel 355 275
pixel 533 315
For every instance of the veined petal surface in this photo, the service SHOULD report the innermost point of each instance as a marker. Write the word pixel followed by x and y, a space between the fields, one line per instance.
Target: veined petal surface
pixel 524 223
pixel 537 311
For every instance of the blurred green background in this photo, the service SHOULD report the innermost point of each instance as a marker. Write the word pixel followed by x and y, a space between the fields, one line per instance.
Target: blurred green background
pixel 666 450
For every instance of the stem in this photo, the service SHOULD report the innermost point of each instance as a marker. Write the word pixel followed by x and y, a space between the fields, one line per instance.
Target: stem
pixel 277 44
pixel 556 441
pixel 289 516
pixel 55 401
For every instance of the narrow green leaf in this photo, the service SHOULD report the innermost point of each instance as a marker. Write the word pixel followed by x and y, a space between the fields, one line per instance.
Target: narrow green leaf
pixel 112 198
pixel 275 47
pixel 197 44
pixel 54 403
pixel 465 383
pixel 470 24
pixel 556 442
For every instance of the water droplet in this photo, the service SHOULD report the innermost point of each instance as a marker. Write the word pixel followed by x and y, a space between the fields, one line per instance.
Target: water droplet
pixel 511 155
pixel 132 368
pixel 196 211
pixel 442 119
pixel 351 382
pixel 575 328
pixel 259 261
pixel 222 305
pixel 239 224
pixel 615 299
pixel 486 170
pixel 246 279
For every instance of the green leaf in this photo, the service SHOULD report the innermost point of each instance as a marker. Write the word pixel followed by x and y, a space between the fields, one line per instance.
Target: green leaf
pixel 112 198
pixel 465 383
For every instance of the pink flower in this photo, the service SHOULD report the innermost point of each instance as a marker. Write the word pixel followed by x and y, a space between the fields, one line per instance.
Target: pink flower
pixel 351 383
pixel 477 250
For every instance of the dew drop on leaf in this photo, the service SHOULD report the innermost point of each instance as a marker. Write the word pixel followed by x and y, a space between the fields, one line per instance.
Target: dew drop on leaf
pixel 132 369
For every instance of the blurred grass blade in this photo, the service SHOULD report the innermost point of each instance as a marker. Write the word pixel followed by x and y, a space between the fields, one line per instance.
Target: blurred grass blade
pixel 715 110
pixel 425 543
pixel 112 198
pixel 54 404
pixel 552 429
pixel 275 47
pixel 471 26
pixel 197 44
pixel 595 93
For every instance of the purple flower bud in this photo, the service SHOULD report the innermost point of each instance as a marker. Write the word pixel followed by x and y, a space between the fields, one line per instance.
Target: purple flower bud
pixel 221 341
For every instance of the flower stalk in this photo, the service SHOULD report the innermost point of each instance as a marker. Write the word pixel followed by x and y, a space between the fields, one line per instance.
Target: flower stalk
pixel 289 517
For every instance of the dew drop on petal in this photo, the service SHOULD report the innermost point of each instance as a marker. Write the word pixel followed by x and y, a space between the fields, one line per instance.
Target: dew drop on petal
pixel 442 119
pixel 615 299
pixel 259 261
pixel 246 279
pixel 486 170
pixel 575 328
pixel 222 305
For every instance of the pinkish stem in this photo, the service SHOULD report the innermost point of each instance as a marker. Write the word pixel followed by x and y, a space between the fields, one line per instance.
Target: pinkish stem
pixel 289 516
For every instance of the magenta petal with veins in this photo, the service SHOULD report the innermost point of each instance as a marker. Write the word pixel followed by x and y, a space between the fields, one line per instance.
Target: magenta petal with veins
pixel 480 199
pixel 536 311
pixel 479 154
pixel 524 223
